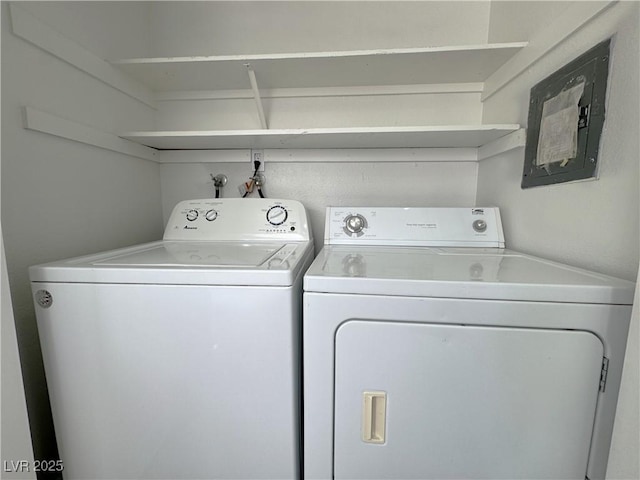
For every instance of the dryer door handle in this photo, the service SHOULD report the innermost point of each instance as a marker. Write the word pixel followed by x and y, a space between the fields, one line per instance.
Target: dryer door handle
pixel 374 417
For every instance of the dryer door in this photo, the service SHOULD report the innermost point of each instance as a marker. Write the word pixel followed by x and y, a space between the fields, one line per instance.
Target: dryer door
pixel 428 401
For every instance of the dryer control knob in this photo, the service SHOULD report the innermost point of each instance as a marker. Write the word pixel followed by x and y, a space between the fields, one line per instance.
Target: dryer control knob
pixel 355 223
pixel 480 226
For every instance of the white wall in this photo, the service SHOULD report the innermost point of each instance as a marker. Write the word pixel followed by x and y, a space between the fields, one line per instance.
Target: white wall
pixel 274 27
pixel 589 224
pixel 61 198
pixel 592 224
pixel 325 111
pixel 219 28
pixel 15 435
pixel 107 29
pixel 624 458
pixel 517 21
pixel 318 185
pixel 15 438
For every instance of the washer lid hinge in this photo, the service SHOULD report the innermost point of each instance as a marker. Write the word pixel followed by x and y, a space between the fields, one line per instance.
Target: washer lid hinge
pixel 603 373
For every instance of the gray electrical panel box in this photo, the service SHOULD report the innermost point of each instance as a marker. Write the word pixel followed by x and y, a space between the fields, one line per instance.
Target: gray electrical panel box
pixel 566 115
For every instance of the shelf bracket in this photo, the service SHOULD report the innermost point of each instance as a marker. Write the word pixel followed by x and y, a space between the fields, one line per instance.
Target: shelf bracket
pixel 256 95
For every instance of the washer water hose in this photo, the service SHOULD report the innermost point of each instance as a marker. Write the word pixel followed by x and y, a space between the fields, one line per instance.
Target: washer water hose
pixel 219 181
pixel 256 180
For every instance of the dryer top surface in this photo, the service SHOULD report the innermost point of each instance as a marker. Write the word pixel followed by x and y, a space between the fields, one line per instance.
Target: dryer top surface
pixel 479 273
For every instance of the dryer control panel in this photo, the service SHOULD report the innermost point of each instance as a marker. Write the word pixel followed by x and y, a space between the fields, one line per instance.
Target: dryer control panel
pixel 238 219
pixel 429 227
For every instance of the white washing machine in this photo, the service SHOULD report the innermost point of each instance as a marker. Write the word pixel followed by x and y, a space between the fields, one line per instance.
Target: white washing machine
pixel 431 352
pixel 179 359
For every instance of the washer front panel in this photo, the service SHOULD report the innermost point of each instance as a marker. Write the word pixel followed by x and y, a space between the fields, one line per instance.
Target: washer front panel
pixel 173 381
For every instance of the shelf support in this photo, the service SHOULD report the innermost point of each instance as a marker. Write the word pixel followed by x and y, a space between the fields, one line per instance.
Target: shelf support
pixel 256 95
pixel 504 144
pixel 60 127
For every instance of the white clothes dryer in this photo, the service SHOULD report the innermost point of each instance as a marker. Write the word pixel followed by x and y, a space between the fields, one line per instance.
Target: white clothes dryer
pixel 179 359
pixel 432 352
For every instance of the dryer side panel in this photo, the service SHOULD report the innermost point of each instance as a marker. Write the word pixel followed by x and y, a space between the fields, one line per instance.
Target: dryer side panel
pixel 450 401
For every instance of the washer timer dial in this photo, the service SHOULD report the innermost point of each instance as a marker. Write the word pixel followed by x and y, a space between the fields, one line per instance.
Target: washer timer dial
pixel 277 215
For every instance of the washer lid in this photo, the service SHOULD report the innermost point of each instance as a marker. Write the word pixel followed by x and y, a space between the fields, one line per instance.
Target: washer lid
pixel 479 273
pixel 183 263
pixel 196 254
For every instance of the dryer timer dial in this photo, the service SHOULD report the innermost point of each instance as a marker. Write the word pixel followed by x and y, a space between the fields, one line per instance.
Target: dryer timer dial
pixel 480 226
pixel 355 224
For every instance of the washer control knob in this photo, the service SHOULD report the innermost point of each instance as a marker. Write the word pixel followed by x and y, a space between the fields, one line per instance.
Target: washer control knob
pixel 211 215
pixel 355 224
pixel 192 215
pixel 277 215
pixel 480 226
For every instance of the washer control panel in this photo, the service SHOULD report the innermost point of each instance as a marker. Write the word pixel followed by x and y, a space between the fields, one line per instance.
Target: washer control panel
pixel 434 227
pixel 234 219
